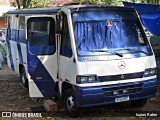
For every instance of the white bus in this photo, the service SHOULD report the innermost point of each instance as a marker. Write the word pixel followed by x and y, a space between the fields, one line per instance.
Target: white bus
pixel 91 55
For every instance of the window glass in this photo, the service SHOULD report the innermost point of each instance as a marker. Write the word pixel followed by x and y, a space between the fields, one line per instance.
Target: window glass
pixel 22 22
pixel 14 21
pixel 104 31
pixel 41 32
pixel 65 43
pixel 41 35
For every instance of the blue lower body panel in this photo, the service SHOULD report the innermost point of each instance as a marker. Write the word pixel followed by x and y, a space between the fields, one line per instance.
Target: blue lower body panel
pixel 101 95
pixel 46 87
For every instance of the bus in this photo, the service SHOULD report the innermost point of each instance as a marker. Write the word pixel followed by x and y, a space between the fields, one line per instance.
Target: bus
pixel 86 54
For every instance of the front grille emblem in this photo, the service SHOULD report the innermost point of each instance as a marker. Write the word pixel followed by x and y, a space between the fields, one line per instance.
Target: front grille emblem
pixel 122 77
pixel 121 65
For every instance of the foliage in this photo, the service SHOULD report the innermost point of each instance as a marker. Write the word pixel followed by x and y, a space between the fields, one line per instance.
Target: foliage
pixel 30 3
pixel 46 3
pixel 101 2
pixel 39 3
pixel 59 2
pixel 117 2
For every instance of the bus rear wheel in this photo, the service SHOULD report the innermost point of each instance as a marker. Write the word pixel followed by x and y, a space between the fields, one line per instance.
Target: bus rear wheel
pixel 23 78
pixel 139 103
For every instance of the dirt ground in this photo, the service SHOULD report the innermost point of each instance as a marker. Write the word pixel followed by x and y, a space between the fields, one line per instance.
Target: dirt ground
pixel 15 98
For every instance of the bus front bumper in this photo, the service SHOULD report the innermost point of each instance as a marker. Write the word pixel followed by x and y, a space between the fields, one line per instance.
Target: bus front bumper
pixel 101 95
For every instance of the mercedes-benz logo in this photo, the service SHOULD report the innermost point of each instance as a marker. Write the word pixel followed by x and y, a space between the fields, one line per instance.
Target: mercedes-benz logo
pixel 121 65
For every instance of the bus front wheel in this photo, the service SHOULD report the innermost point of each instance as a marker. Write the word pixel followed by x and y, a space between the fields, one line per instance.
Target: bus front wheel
pixel 70 106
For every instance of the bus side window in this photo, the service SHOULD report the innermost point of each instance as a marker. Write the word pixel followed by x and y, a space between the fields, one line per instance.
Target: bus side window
pixel 65 41
pixel 22 22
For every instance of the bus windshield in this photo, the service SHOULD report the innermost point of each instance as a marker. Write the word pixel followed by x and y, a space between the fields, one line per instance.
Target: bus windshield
pixel 107 30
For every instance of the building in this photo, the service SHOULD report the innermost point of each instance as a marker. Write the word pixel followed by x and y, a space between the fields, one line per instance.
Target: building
pixel 4 7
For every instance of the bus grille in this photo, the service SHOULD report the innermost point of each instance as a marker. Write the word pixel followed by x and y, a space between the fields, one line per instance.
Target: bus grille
pixel 122 89
pixel 121 77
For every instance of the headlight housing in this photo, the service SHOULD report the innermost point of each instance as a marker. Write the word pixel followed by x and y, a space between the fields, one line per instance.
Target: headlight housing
pixel 149 72
pixel 84 79
pixel 153 71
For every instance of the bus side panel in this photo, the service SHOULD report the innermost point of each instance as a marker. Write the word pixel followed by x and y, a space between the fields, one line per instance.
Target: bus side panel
pixel 12 49
pixel 9 55
pixel 41 82
pixel 16 50
pixel 22 50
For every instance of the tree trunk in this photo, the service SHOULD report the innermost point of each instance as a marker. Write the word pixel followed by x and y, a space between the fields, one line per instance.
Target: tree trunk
pixel 24 3
pixel 18 4
pixel 28 3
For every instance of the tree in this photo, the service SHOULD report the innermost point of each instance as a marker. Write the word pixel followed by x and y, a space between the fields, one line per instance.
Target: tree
pixel 29 3
pixel 45 3
pixel 39 3
pixel 59 2
pixel 153 2
pixel 118 2
pixel 100 2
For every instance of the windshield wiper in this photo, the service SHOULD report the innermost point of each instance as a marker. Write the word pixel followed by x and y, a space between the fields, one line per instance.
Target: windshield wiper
pixel 142 51
pixel 112 52
pixel 120 55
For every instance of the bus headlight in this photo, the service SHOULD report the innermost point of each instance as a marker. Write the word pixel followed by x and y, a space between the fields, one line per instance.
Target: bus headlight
pixel 149 72
pixel 81 79
pixel 153 71
pixel 146 73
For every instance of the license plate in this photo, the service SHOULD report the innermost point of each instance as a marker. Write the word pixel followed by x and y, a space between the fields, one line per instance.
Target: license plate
pixel 122 99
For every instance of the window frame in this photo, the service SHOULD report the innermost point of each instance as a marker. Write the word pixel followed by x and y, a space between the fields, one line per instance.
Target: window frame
pixel 139 24
pixel 51 34
pixel 65 20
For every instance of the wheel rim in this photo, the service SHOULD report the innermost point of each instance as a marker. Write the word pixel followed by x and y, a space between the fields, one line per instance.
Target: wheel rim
pixel 70 103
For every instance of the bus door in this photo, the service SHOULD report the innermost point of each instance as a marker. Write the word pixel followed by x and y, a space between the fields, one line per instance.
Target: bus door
pixel 42 55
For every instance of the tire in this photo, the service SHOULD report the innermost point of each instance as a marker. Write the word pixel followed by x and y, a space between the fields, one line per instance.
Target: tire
pixel 70 105
pixel 23 78
pixel 139 103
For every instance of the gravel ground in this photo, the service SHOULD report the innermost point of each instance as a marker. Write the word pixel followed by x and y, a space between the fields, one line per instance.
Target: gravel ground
pixel 15 98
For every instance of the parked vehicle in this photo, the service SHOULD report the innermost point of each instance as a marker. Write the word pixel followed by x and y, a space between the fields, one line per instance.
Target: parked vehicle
pixel 2 48
pixel 3 30
pixel 88 55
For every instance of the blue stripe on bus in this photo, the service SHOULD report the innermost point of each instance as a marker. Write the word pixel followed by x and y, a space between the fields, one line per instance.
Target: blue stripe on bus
pixel 21 38
pixel 36 68
pixel 20 53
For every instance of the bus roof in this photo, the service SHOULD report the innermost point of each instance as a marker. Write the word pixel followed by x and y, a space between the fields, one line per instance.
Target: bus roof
pixel 34 11
pixel 73 8
pixel 101 8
